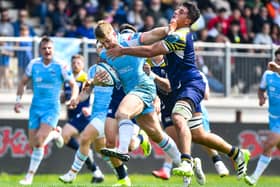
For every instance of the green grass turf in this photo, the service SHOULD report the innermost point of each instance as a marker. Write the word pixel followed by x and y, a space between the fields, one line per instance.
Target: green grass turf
pixel 83 180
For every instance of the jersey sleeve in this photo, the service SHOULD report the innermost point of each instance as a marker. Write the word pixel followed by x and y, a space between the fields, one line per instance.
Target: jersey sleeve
pixel 131 39
pixel 175 41
pixel 263 81
pixel 28 70
pixel 204 78
pixel 66 72
pixel 91 72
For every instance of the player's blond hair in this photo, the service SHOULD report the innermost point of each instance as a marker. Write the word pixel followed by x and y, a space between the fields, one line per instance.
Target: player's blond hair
pixel 78 56
pixel 103 29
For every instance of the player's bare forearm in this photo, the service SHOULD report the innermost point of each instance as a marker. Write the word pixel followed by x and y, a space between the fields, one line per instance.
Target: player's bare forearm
pixel 75 90
pixel 261 96
pixel 83 95
pixel 145 51
pixel 157 34
pixel 163 83
pixel 154 35
pixel 21 86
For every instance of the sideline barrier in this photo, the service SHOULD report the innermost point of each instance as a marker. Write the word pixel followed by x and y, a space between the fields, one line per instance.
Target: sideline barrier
pixel 15 151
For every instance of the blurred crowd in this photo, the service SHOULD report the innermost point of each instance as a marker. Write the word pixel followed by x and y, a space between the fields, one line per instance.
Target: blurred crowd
pixel 235 21
pixel 238 21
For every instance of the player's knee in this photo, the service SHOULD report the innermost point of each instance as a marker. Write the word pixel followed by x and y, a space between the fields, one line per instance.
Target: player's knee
pixel 85 139
pixel 181 109
pixel 121 115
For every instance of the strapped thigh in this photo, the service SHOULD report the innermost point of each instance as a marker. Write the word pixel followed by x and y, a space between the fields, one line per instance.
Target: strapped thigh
pixel 195 122
pixel 184 109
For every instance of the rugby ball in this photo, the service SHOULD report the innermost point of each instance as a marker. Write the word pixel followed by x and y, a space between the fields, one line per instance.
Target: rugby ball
pixel 113 78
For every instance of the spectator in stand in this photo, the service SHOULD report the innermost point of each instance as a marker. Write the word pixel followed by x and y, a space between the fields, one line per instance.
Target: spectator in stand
pixel 264 36
pixel 149 23
pixel 249 23
pixel 259 18
pixel 168 13
pixel 116 13
pixel 236 17
pixel 214 84
pixel 204 37
pixel 155 10
pixel 79 16
pixel 23 56
pixel 275 34
pixel 217 63
pixel 273 8
pixel 39 8
pixel 255 3
pixel 220 18
pixel 222 4
pixel 240 4
pixel 60 20
pixel 135 16
pixel 208 13
pixel 19 4
pixel 92 7
pixel 22 20
pixel 6 27
pixel 86 30
pixel 74 5
pixel 5 54
pixel 234 34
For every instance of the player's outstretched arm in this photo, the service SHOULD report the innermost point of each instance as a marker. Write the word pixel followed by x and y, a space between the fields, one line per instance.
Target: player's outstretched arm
pixel 157 34
pixel 141 51
pixel 86 91
pixel 273 66
pixel 72 102
pixel 20 91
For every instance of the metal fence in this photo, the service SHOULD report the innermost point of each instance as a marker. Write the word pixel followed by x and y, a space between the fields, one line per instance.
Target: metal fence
pixel 231 69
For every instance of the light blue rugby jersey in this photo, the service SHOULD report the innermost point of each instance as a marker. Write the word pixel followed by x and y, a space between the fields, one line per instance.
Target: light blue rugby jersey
pixel 129 68
pixel 270 83
pixel 102 95
pixel 47 81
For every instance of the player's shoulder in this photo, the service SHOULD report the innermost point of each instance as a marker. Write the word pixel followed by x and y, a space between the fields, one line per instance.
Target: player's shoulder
pixel 130 39
pixel 179 34
pixel 36 60
pixel 268 72
pixel 34 63
pixel 204 78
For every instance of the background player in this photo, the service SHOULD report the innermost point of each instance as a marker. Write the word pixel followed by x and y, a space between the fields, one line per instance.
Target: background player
pixel 269 87
pixel 79 117
pixel 47 75
pixel 94 131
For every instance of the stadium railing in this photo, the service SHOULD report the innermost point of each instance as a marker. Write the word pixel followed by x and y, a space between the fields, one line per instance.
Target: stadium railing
pixel 231 69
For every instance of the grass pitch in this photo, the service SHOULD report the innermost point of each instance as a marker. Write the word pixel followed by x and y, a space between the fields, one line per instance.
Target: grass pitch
pixel 83 180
